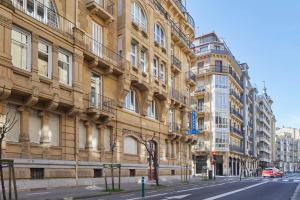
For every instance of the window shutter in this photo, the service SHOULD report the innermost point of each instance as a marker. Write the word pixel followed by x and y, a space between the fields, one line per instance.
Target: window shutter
pixel 54 129
pixel 35 125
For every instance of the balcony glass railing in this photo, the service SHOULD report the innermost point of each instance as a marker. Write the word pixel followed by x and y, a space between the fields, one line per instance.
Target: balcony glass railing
pixel 101 102
pixel 45 14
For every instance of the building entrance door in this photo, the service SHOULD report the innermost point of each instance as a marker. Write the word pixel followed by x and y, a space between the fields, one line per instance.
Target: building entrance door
pixel 219 165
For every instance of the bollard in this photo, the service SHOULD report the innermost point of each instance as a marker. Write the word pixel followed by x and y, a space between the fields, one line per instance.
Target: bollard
pixel 143 187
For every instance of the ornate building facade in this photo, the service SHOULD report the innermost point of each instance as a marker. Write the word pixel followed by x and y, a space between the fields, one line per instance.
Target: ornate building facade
pixel 81 75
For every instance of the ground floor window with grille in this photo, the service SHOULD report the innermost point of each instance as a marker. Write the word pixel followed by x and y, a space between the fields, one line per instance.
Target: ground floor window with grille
pixel 37 173
pixel 98 173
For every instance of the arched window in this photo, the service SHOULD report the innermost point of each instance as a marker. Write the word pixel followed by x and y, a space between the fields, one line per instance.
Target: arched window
pixel 42 10
pixel 130 145
pixel 131 101
pixel 138 15
pixel 159 35
pixel 152 110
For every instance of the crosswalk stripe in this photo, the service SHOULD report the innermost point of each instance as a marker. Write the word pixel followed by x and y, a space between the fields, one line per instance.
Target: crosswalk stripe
pixel 285 180
pixel 296 180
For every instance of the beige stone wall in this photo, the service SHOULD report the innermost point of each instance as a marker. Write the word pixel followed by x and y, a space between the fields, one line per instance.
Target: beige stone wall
pixel 28 91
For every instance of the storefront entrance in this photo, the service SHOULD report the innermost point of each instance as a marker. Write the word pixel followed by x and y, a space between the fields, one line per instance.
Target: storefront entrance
pixel 219 165
pixel 201 164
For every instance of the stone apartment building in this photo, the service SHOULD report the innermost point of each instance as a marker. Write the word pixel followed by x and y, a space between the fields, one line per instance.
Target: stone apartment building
pixel 287 149
pixel 82 74
pixel 225 108
pixel 265 130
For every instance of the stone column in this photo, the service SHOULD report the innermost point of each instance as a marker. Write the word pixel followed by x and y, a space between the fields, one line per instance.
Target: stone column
pixel 24 132
pixel 34 59
pixel 89 138
pixel 231 167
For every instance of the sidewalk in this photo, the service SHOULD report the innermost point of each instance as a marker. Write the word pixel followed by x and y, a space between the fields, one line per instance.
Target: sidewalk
pixel 98 190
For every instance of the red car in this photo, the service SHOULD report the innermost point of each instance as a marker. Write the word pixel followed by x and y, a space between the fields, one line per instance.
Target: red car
pixel 272 172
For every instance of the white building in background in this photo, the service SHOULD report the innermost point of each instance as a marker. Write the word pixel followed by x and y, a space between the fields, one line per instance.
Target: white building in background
pixel 287 149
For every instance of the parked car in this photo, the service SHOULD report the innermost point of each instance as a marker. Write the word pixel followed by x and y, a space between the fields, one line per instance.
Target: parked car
pixel 272 172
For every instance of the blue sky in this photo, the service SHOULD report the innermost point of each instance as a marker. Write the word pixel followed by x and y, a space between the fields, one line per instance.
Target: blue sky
pixel 266 35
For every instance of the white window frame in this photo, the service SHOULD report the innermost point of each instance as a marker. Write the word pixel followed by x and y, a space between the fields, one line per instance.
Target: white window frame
pixel 159 35
pixel 133 54
pixel 70 68
pixel 49 67
pixel 130 103
pixel 162 76
pixel 143 60
pixel 155 67
pixel 97 36
pixel 138 15
pixel 28 46
pixel 152 110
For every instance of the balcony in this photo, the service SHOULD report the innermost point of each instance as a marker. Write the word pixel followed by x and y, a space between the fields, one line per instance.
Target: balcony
pixel 236 78
pixel 203 128
pixel 100 55
pixel 176 64
pixel 190 78
pixel 45 15
pixel 236 114
pixel 174 127
pixel 236 131
pixel 264 139
pixel 207 70
pixel 101 8
pixel 200 91
pixel 100 105
pixel 201 146
pixel 180 36
pixel 139 24
pixel 179 97
pixel 184 11
pixel 236 148
pixel 238 97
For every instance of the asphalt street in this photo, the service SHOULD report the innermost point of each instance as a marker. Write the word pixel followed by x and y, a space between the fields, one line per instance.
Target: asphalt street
pixel 227 189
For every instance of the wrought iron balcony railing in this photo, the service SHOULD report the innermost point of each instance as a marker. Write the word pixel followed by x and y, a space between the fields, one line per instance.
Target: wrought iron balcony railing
pixel 101 103
pixel 45 15
pixel 183 9
pixel 238 97
pixel 101 51
pixel 176 62
pixel 236 113
pixel 236 130
pixel 236 148
pixel 189 75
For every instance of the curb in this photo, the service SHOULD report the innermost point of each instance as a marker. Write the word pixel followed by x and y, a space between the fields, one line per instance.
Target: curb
pixel 296 195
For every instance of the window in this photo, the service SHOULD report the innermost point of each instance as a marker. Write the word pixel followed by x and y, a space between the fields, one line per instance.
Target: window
pixel 130 102
pixel 172 172
pixel 95 137
pixel 120 45
pixel 54 129
pixel 65 67
pixel 131 172
pixel 222 101
pixel 107 139
pixel 221 120
pixel 44 59
pixel 44 12
pixel 218 65
pixel 98 173
pixel 82 135
pixel 143 61
pixel 159 35
pixel 162 72
pixel 37 173
pixel 138 15
pixel 133 54
pixel 130 145
pixel 154 68
pixel 35 127
pixel 152 110
pixel 120 7
pixel 221 81
pixel 14 133
pixel 21 48
pixel 97 39
pixel 221 140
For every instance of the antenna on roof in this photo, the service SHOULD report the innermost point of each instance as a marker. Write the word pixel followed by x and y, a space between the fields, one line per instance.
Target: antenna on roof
pixel 265 89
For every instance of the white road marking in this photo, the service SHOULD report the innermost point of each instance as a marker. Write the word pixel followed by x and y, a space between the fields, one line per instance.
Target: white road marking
pixel 197 188
pixel 177 197
pixel 234 191
pixel 275 179
pixel 296 180
pixel 37 193
pixel 285 180
pixel 155 195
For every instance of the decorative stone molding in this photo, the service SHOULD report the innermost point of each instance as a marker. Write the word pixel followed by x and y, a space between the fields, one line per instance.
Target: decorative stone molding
pixel 4 21
pixel 4 92
pixel 73 111
pixel 54 103
pixel 8 4
pixel 34 97
pixel 124 87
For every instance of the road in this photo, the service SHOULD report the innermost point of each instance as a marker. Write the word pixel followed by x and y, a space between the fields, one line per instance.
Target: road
pixel 227 189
